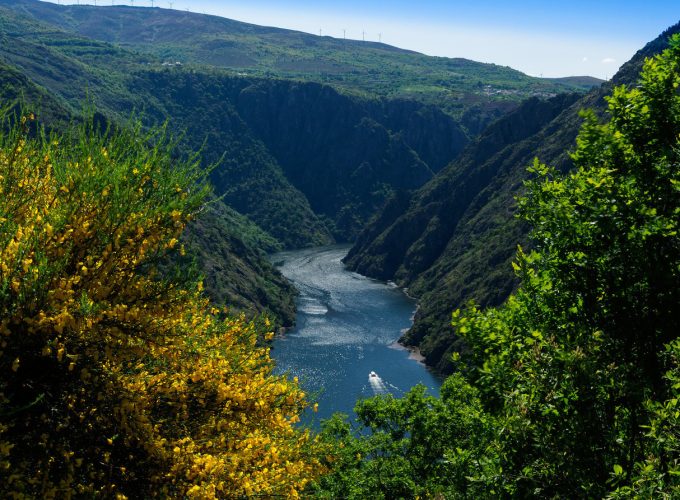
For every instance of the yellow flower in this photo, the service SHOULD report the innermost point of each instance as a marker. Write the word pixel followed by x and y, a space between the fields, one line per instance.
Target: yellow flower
pixel 26 264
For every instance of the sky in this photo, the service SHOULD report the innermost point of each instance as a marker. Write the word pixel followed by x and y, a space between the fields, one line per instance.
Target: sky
pixel 539 37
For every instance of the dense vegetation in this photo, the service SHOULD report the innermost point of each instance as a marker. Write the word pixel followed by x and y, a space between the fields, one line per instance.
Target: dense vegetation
pixel 118 376
pixel 454 239
pixel 366 68
pixel 570 389
pixel 115 379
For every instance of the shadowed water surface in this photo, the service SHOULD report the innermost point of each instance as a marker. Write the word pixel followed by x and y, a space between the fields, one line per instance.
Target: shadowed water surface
pixel 347 326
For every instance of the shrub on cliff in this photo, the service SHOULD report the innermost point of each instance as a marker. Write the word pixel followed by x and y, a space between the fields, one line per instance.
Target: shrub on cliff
pixel 116 381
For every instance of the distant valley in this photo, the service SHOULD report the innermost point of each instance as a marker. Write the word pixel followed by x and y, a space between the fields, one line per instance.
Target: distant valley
pixel 310 137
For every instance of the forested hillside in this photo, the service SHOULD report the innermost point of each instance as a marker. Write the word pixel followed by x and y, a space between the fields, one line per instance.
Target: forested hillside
pixel 293 152
pixel 358 67
pixel 454 239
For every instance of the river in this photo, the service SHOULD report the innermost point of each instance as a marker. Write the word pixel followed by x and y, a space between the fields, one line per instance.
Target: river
pixel 347 327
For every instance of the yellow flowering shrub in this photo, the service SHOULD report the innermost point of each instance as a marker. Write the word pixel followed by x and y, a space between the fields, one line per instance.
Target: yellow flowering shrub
pixel 115 381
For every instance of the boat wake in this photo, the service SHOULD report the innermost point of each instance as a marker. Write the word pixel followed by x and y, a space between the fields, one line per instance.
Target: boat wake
pixel 378 386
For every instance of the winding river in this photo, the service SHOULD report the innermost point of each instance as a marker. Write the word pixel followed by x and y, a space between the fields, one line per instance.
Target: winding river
pixel 347 327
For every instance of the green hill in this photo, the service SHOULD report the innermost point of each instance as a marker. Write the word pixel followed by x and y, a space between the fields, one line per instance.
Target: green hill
pixel 354 66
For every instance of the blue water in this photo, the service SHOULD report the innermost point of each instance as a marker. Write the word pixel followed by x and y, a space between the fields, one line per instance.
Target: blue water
pixel 347 326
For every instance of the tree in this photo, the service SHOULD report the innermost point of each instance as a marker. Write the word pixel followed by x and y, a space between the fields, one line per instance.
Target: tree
pixel 577 374
pixel 576 355
pixel 415 446
pixel 117 380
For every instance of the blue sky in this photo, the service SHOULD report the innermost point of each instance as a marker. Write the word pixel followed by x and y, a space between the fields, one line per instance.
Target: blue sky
pixel 549 38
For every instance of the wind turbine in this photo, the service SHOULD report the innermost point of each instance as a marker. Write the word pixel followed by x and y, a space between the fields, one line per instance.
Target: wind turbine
pixel 170 5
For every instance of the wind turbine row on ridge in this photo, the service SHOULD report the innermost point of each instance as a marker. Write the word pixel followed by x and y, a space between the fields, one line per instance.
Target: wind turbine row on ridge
pixel 344 35
pixel 132 3
pixel 170 4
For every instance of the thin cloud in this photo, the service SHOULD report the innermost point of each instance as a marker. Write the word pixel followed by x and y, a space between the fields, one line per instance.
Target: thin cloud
pixel 608 60
pixel 585 59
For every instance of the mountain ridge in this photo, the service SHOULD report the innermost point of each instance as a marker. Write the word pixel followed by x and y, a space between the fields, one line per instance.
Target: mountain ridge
pixel 350 65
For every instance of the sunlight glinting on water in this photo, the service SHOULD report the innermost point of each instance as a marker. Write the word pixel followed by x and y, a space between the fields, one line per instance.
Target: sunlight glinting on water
pixel 346 329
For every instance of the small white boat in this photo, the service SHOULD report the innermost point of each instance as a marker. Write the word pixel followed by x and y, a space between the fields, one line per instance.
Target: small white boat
pixel 377 385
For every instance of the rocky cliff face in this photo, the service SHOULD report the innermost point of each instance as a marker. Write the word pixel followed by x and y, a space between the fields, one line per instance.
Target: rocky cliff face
pixel 453 240
pixel 348 154
pixel 405 246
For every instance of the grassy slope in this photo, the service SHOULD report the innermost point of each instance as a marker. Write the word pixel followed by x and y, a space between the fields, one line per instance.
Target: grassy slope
pixel 354 66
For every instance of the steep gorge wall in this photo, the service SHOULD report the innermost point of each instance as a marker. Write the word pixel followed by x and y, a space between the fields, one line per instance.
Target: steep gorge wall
pixel 293 152
pixel 453 240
